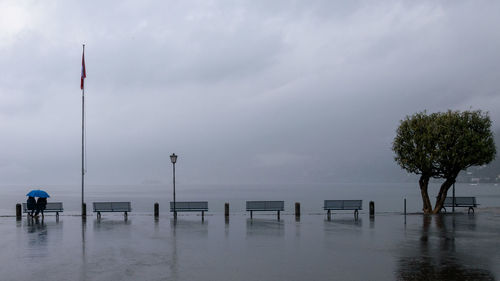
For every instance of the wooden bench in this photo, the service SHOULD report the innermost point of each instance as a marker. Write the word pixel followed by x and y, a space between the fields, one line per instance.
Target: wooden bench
pixel 265 206
pixel 343 205
pixel 195 206
pixel 52 207
pixel 467 202
pixel 112 207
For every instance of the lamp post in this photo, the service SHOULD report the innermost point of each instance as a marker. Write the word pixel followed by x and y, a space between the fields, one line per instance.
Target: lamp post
pixel 173 158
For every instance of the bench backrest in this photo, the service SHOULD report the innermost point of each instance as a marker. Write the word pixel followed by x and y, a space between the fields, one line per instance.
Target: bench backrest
pixel 343 204
pixel 112 207
pixel 52 206
pixel 460 201
pixel 195 205
pixel 265 205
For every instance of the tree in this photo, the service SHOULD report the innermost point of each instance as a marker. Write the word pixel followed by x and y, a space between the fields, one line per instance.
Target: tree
pixel 440 145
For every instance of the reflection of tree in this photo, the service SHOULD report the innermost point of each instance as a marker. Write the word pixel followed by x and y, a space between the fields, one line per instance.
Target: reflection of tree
pixel 428 261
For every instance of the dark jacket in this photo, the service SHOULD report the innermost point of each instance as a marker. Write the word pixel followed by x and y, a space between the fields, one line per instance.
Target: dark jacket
pixel 41 203
pixel 31 203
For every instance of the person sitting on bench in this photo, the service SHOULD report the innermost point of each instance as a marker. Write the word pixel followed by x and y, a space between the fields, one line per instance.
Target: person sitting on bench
pixel 41 203
pixel 31 205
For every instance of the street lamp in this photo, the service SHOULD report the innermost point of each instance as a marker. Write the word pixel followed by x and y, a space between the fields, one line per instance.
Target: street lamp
pixel 173 158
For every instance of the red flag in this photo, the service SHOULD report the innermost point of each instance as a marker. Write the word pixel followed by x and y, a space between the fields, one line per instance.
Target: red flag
pixel 84 75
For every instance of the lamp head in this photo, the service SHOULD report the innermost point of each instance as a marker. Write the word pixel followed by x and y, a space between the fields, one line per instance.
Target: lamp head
pixel 173 158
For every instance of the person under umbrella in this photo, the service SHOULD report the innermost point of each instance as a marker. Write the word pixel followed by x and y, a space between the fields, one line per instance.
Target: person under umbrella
pixel 41 203
pixel 31 205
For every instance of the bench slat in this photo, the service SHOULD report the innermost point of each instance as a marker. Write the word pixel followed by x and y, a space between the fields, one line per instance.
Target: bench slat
pixel 186 206
pixel 112 207
pixel 343 205
pixel 265 205
pixel 460 202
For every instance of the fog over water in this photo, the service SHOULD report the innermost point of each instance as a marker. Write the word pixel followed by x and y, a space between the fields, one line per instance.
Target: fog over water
pixel 252 92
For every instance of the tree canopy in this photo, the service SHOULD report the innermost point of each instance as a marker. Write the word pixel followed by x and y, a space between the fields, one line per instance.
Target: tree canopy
pixel 440 145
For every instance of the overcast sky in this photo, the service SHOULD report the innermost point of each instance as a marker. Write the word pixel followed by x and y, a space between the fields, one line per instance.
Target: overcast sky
pixel 242 91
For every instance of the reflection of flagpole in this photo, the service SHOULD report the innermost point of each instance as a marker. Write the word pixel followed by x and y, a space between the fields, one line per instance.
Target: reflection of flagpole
pixel 83 75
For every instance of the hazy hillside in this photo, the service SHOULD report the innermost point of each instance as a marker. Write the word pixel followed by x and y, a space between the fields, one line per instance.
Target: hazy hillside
pixel 487 173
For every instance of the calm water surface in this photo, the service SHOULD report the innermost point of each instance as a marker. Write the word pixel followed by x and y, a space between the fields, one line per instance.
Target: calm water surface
pixel 388 197
pixel 447 247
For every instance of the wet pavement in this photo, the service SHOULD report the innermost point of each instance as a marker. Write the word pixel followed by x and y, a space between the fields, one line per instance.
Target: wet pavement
pixel 444 247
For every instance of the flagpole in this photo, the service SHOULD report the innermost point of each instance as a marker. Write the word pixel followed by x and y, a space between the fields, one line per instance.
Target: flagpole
pixel 84 207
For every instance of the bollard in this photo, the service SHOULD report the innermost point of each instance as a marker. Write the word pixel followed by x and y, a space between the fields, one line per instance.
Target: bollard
pixel 84 210
pixel 18 212
pixel 226 210
pixel 157 210
pixel 372 209
pixel 405 210
pixel 297 209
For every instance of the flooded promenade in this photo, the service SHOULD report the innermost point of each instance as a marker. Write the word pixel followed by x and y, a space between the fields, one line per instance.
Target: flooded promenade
pixel 443 247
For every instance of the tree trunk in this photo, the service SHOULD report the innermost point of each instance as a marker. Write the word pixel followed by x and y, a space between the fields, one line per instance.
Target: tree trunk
pixel 443 191
pixel 424 182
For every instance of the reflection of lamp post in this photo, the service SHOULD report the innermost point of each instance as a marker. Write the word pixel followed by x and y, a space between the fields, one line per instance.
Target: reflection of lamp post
pixel 173 158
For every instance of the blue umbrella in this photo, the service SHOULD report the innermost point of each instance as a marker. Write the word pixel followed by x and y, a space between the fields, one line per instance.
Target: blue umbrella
pixel 38 193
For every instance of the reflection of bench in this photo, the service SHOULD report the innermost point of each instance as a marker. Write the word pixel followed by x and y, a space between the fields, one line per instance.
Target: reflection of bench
pixel 343 205
pixel 112 207
pixel 469 202
pixel 53 207
pixel 198 206
pixel 265 206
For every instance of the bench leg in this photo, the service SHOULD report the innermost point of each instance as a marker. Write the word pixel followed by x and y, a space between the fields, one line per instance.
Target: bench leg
pixel 98 215
pixel 202 215
pixel 125 215
pixel 470 209
pixel 57 215
pixel 356 214
pixel 278 215
pixel 329 214
pixel 251 214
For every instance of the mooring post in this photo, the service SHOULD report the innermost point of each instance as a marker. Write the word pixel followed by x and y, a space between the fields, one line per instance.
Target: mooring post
pixel 405 210
pixel 157 210
pixel 19 213
pixel 372 209
pixel 84 210
pixel 226 210
pixel 297 209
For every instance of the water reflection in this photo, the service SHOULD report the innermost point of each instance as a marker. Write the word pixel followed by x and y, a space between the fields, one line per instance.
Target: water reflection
pixel 104 225
pixel 37 237
pixel 195 226
pixel 185 236
pixel 436 256
pixel 349 222
pixel 265 227
pixel 84 268
pixel 173 264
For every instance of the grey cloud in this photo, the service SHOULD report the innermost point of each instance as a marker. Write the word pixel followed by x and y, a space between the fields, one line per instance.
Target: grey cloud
pixel 281 91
